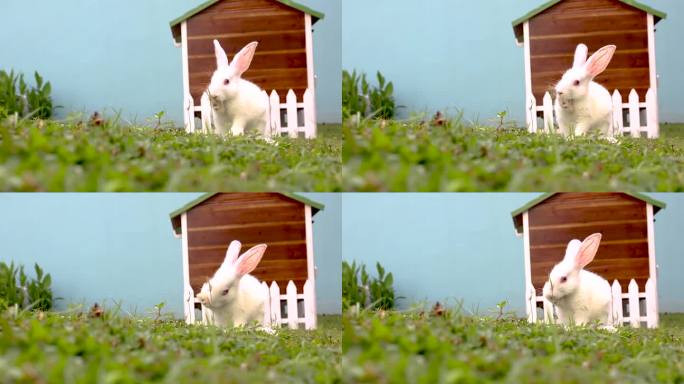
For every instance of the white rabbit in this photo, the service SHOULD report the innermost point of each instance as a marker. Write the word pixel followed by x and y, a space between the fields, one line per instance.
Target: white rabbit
pixel 580 296
pixel 581 104
pixel 233 297
pixel 231 103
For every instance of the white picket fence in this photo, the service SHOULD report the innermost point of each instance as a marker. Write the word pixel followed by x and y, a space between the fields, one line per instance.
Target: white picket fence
pixel 631 308
pixel 292 308
pixel 291 118
pixel 627 117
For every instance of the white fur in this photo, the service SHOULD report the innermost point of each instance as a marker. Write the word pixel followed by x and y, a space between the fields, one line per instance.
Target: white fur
pixel 584 297
pixel 239 105
pixel 244 301
pixel 581 104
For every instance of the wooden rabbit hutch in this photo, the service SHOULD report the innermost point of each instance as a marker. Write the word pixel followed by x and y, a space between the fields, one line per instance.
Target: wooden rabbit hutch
pixel 551 32
pixel 626 255
pixel 283 221
pixel 283 64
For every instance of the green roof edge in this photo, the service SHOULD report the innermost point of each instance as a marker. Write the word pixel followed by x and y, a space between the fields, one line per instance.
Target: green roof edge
pixel 648 199
pixel 304 200
pixel 207 4
pixel 534 12
pixel 191 204
pixel 546 195
pixel 551 3
pixel 532 203
pixel 205 196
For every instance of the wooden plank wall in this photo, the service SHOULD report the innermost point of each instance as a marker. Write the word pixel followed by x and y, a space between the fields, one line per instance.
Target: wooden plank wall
pixel 623 253
pixel 251 218
pixel 555 33
pixel 280 60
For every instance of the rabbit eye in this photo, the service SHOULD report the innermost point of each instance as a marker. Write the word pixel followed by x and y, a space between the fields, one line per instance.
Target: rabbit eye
pixel 224 292
pixel 576 83
pixel 226 81
pixel 563 279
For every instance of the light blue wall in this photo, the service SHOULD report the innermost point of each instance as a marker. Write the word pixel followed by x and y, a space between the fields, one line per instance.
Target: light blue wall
pixel 463 246
pixel 449 54
pixel 119 55
pixel 104 247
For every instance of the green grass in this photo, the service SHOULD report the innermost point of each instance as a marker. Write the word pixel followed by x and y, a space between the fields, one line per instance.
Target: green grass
pixel 74 348
pixel 72 156
pixel 415 156
pixel 416 347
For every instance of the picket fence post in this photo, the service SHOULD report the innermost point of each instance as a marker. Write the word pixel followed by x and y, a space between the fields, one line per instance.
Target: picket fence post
pixel 548 113
pixel 291 101
pixel 617 303
pixel 267 304
pixel 618 123
pixel 652 124
pixel 548 312
pixel 651 309
pixel 309 308
pixel 532 114
pixel 634 119
pixel 189 305
pixel 532 300
pixel 275 304
pixel 633 294
pixel 189 115
pixel 274 112
pixel 309 114
pixel 292 313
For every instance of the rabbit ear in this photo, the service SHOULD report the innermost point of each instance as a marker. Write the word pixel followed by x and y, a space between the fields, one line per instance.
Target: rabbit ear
pixel 580 56
pixel 587 250
pixel 598 62
pixel 243 59
pixel 232 252
pixel 249 260
pixel 221 57
pixel 231 255
pixel 572 249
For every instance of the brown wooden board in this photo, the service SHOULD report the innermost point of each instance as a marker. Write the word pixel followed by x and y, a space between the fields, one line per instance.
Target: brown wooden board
pixel 564 208
pixel 280 80
pixel 280 60
pixel 267 270
pixel 284 232
pixel 555 63
pixel 212 215
pixel 268 42
pixel 555 33
pixel 276 251
pixel 206 63
pixel 611 231
pixel 637 248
